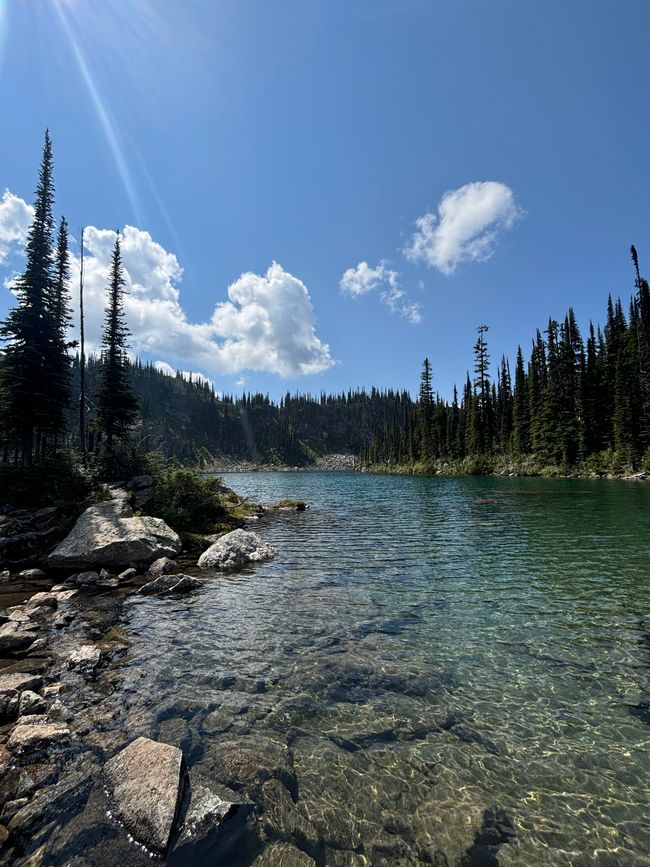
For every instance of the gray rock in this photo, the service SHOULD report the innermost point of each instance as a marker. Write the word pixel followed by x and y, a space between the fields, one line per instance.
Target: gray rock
pixel 207 811
pixel 127 575
pixel 145 784
pixel 162 566
pixel 109 534
pixel 40 600
pixel 27 738
pixel 236 550
pixel 64 619
pixel 85 660
pixel 19 681
pixel 107 584
pixel 31 703
pixel 14 638
pixel 171 584
pixel 283 855
pixel 32 574
pixel 9 704
pixel 85 579
pixel 5 575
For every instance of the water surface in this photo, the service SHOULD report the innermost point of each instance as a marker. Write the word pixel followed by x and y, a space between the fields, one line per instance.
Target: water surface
pixel 421 650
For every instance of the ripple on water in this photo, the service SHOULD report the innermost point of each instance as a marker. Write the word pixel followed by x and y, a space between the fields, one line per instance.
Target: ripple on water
pixel 431 671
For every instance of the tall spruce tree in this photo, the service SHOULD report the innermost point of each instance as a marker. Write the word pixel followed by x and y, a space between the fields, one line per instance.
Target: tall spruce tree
pixel 59 368
pixel 425 411
pixel 643 345
pixel 520 409
pixel 29 331
pixel 116 403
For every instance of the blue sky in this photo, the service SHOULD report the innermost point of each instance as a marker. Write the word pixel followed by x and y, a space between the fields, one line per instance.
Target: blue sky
pixel 231 134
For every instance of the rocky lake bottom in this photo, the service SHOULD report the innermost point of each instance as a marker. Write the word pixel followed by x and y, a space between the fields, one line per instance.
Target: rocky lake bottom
pixel 431 671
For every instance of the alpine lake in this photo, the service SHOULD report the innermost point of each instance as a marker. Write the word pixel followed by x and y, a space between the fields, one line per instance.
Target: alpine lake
pixel 447 671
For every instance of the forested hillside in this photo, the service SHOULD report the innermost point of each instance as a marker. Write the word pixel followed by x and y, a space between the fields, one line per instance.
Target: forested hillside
pixel 186 420
pixel 572 404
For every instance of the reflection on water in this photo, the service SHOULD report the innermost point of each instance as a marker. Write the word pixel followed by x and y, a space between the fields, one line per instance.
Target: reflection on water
pixel 432 671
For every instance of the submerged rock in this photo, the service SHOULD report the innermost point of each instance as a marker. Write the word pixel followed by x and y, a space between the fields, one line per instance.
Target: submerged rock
pixel 171 584
pixel 86 660
pixel 235 550
pixel 145 785
pixel 207 811
pixel 283 855
pixel 109 534
pixel 32 574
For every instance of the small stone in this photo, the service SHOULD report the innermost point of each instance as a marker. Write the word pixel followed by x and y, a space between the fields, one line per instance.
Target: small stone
pixel 42 600
pixel 162 566
pixel 13 638
pixel 87 579
pixel 171 584
pixel 207 811
pixel 65 595
pixel 64 619
pixel 107 584
pixel 5 575
pixel 127 575
pixel 85 660
pixel 104 574
pixel 26 737
pixel 32 574
pixel 30 703
pixel 20 681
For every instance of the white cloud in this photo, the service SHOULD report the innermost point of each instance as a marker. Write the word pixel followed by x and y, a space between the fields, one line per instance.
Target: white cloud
pixel 363 279
pixel 267 323
pixel 15 217
pixel 466 228
pixel 189 375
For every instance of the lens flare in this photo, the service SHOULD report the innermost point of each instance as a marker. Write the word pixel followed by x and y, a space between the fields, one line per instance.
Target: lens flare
pixel 3 30
pixel 104 115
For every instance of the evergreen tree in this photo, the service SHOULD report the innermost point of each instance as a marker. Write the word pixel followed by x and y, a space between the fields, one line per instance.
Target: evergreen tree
pixel 520 409
pixel 643 345
pixel 483 413
pixel 425 412
pixel 116 402
pixel 58 369
pixel 29 331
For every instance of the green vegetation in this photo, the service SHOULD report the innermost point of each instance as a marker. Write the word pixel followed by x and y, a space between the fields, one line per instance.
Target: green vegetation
pixel 576 409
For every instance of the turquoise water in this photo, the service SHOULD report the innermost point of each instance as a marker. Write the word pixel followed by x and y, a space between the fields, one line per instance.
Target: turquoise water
pixel 420 651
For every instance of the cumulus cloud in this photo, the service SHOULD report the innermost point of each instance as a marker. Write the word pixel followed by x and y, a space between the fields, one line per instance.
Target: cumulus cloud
pixel 267 323
pixel 15 217
pixel 466 227
pixel 190 375
pixel 362 279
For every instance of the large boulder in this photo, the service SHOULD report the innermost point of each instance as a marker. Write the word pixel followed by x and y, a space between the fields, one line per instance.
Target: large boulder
pixel 109 534
pixel 236 550
pixel 145 784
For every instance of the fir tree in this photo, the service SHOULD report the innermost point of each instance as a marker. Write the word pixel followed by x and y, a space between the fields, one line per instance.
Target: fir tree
pixel 29 330
pixel 520 409
pixel 116 402
pixel 425 410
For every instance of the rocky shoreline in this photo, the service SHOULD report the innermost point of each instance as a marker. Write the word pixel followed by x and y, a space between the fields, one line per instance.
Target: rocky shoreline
pixel 51 757
pixel 334 463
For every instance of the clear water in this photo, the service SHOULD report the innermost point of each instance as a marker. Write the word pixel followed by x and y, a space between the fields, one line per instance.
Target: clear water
pixel 421 649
